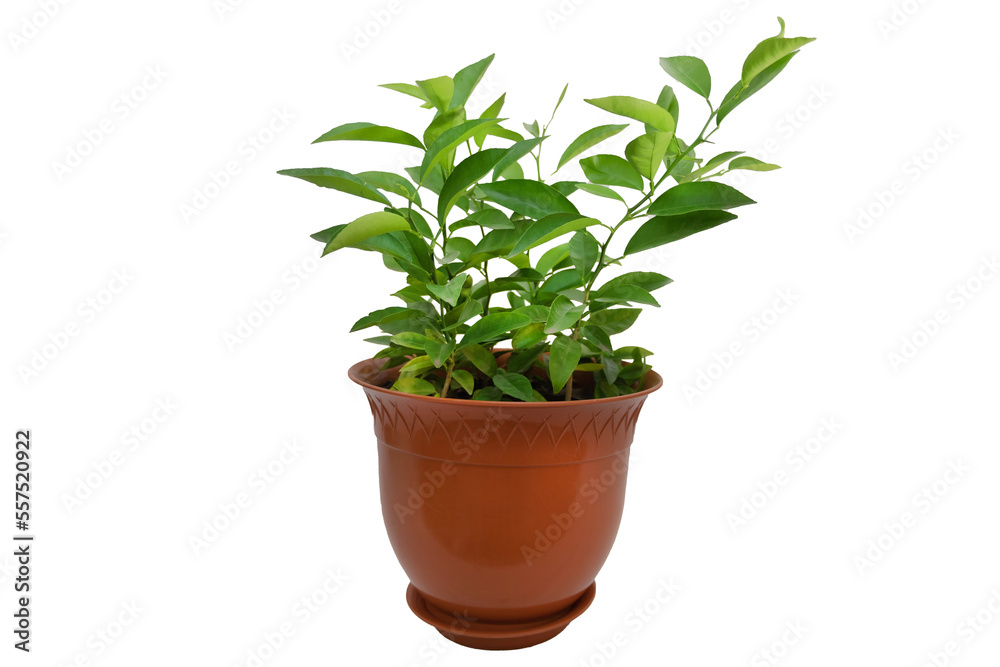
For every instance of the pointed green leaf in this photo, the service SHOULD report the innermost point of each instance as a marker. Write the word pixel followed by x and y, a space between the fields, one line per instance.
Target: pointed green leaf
pixel 569 187
pixel 411 340
pixel 739 93
pixel 449 293
pixel 448 141
pixel 366 227
pixel 467 79
pixel 588 140
pixel 336 179
pixel 751 164
pixel 711 165
pixel 700 196
pixel 464 380
pixel 411 385
pixel 769 52
pixel 514 385
pixel 563 314
pixel 614 320
pixel 667 229
pixel 626 294
pixel 690 71
pixel 493 326
pixel 370 132
pixel 640 110
pixel 372 318
pixel 563 358
pixel 487 394
pixel 439 351
pixel 438 91
pixel 548 228
pixel 389 182
pixel 647 151
pixel 611 170
pixel 529 198
pixel 481 358
pixel 584 250
pixel 528 336
pixel 515 153
pixel 647 280
pixel 465 175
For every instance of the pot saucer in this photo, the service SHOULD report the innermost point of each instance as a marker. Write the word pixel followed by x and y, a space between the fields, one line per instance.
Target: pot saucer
pixel 497 636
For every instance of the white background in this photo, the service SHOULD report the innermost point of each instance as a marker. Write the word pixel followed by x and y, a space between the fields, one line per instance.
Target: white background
pixel 846 120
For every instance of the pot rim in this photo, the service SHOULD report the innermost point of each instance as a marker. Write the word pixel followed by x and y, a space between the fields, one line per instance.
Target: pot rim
pixel 355 373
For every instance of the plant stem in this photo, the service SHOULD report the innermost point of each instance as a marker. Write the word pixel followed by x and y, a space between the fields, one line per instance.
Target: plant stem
pixel 450 365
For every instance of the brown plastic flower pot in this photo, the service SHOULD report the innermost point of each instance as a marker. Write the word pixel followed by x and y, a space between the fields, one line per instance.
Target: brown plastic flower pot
pixel 501 513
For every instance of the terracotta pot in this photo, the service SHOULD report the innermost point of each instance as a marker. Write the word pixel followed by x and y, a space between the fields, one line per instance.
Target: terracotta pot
pixel 501 513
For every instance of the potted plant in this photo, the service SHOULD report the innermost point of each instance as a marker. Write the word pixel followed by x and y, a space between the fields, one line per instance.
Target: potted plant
pixel 503 410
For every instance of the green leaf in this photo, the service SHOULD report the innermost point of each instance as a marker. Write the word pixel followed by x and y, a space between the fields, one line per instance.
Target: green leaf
pixel 389 182
pixel 552 257
pixel 458 316
pixel 535 313
pixel 465 175
pixel 647 151
pixel 336 179
pixel 529 335
pixel 563 314
pixel 548 228
pixel 411 340
pixel 490 218
pixel 364 228
pixel 373 318
pixel 492 111
pixel 647 280
pixel 439 351
pixel 464 380
pixel 481 358
pixel 493 326
pixel 449 293
pixel 611 368
pixel 751 164
pixel 584 250
pixel 529 198
pixel 770 52
pixel 626 294
pixel 370 132
pixel 690 71
pixel 711 165
pixel 562 281
pixel 406 89
pixel 448 141
pixel 701 196
pixel 614 320
pixel 487 394
pixel 563 358
pixel 611 170
pixel 438 91
pixel 515 153
pixel 588 140
pixel 597 336
pixel 514 385
pixel 640 110
pixel 467 79
pixel 411 385
pixel 569 187
pixel 442 123
pixel 668 100
pixel 667 229
pixel 532 129
pixel 739 93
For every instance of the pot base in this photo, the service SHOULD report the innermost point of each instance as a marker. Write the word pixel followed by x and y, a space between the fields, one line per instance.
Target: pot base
pixel 497 636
